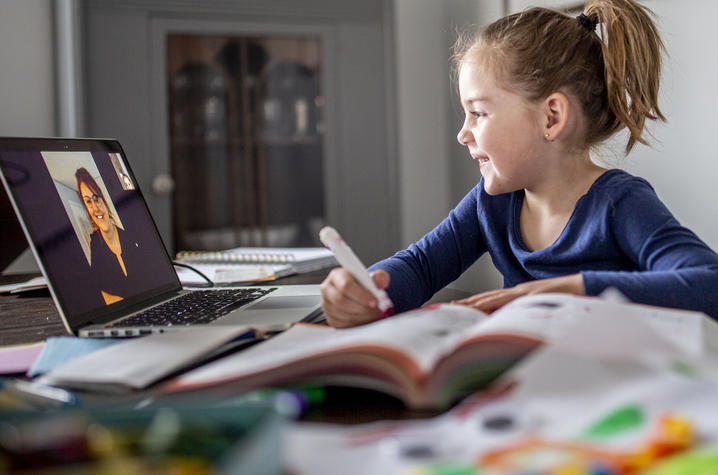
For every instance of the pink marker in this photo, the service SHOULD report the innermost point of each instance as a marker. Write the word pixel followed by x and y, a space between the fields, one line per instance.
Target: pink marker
pixel 348 260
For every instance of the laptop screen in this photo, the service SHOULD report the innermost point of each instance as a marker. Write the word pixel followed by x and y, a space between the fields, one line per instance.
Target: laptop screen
pixel 89 224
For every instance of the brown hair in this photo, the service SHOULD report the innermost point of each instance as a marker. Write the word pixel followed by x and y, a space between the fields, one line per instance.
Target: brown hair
pixel 83 176
pixel 615 76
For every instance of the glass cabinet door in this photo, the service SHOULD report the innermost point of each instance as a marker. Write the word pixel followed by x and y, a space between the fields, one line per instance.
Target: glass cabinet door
pixel 246 140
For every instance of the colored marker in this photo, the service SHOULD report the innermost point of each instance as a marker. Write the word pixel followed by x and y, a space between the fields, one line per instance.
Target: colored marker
pixel 348 260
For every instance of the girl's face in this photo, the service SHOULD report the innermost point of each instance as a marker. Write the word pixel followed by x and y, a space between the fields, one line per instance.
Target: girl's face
pixel 502 131
pixel 96 208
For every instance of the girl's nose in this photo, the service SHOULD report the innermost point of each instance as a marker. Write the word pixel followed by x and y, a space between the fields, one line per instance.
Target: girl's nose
pixel 464 136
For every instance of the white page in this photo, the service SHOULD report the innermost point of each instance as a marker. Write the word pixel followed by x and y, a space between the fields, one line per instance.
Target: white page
pixel 552 315
pixel 544 316
pixel 139 362
pixel 425 334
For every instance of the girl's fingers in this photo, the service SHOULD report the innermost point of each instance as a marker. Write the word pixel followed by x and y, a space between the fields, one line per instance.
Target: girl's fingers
pixel 349 288
pixel 345 302
pixel 489 301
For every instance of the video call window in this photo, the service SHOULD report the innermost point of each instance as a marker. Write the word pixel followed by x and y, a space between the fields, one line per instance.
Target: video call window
pixel 84 214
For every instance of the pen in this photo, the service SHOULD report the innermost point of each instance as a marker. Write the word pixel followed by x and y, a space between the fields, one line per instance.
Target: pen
pixel 348 260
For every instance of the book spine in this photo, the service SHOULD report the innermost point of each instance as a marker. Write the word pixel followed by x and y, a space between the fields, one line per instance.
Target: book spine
pixel 223 257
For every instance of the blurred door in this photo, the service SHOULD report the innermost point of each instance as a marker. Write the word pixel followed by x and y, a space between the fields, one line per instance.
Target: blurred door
pixel 246 140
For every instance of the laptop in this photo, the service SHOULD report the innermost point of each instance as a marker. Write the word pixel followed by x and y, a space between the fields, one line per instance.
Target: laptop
pixel 107 269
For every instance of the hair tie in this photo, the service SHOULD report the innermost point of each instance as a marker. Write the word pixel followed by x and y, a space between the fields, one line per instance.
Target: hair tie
pixel 586 22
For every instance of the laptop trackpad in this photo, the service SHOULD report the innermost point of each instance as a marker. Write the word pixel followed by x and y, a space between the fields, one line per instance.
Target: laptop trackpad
pixel 279 303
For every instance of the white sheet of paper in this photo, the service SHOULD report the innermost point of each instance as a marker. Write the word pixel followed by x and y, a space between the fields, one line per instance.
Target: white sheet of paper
pixel 554 315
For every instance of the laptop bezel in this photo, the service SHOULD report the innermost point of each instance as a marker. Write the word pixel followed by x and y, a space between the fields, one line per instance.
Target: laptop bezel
pixel 101 315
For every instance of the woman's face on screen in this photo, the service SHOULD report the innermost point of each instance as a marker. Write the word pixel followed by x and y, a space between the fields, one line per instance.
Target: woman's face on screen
pixel 96 208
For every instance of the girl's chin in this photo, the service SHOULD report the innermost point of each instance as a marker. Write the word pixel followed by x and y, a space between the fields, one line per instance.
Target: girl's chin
pixel 492 188
pixel 491 192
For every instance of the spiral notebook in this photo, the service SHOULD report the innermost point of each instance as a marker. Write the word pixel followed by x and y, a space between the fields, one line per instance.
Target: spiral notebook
pixel 270 262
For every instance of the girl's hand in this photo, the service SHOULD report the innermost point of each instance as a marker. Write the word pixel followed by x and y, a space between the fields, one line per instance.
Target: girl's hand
pixel 346 303
pixel 489 301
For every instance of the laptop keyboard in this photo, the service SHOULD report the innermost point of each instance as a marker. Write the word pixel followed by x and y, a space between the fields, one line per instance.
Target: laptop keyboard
pixel 196 307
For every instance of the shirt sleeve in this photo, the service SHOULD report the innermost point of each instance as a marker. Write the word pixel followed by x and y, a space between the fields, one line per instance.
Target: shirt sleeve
pixel 438 258
pixel 674 267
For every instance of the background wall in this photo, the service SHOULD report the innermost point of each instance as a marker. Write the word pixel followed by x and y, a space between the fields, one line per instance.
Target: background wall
pixel 27 97
pixel 26 68
pixel 435 172
pixel 423 124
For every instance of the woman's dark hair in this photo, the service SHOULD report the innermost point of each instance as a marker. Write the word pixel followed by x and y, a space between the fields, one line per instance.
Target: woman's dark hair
pixel 614 73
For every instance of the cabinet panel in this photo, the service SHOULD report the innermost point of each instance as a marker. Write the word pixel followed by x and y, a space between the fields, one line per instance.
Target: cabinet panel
pixel 341 137
pixel 246 140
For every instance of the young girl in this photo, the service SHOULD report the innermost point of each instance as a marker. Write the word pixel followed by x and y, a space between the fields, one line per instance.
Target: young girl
pixel 539 89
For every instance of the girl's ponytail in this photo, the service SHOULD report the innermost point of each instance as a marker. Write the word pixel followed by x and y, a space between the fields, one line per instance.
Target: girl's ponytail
pixel 632 51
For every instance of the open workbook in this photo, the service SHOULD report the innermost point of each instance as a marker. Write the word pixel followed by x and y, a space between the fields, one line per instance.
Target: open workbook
pixel 430 357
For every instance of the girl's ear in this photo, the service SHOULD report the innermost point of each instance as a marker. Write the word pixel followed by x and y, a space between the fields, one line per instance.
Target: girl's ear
pixel 556 110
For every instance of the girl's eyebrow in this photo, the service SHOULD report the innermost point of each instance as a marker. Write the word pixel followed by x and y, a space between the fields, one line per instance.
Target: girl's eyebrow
pixel 472 100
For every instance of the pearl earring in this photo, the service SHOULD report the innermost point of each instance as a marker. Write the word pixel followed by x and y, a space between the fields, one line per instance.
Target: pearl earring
pixel 547 135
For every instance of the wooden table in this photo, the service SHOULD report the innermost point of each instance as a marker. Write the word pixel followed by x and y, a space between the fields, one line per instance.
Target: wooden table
pixel 27 317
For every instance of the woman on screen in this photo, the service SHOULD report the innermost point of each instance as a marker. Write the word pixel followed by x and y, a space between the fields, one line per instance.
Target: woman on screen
pixel 111 248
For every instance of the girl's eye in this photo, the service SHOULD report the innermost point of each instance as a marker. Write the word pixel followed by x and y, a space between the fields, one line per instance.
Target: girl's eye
pixel 478 114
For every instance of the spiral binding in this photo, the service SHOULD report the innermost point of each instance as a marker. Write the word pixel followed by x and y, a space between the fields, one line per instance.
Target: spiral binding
pixel 229 257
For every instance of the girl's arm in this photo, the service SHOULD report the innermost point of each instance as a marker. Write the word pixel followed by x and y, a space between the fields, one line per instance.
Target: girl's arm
pixel 436 260
pixel 674 267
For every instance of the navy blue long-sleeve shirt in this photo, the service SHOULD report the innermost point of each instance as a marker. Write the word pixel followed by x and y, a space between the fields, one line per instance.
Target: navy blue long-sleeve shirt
pixel 620 235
